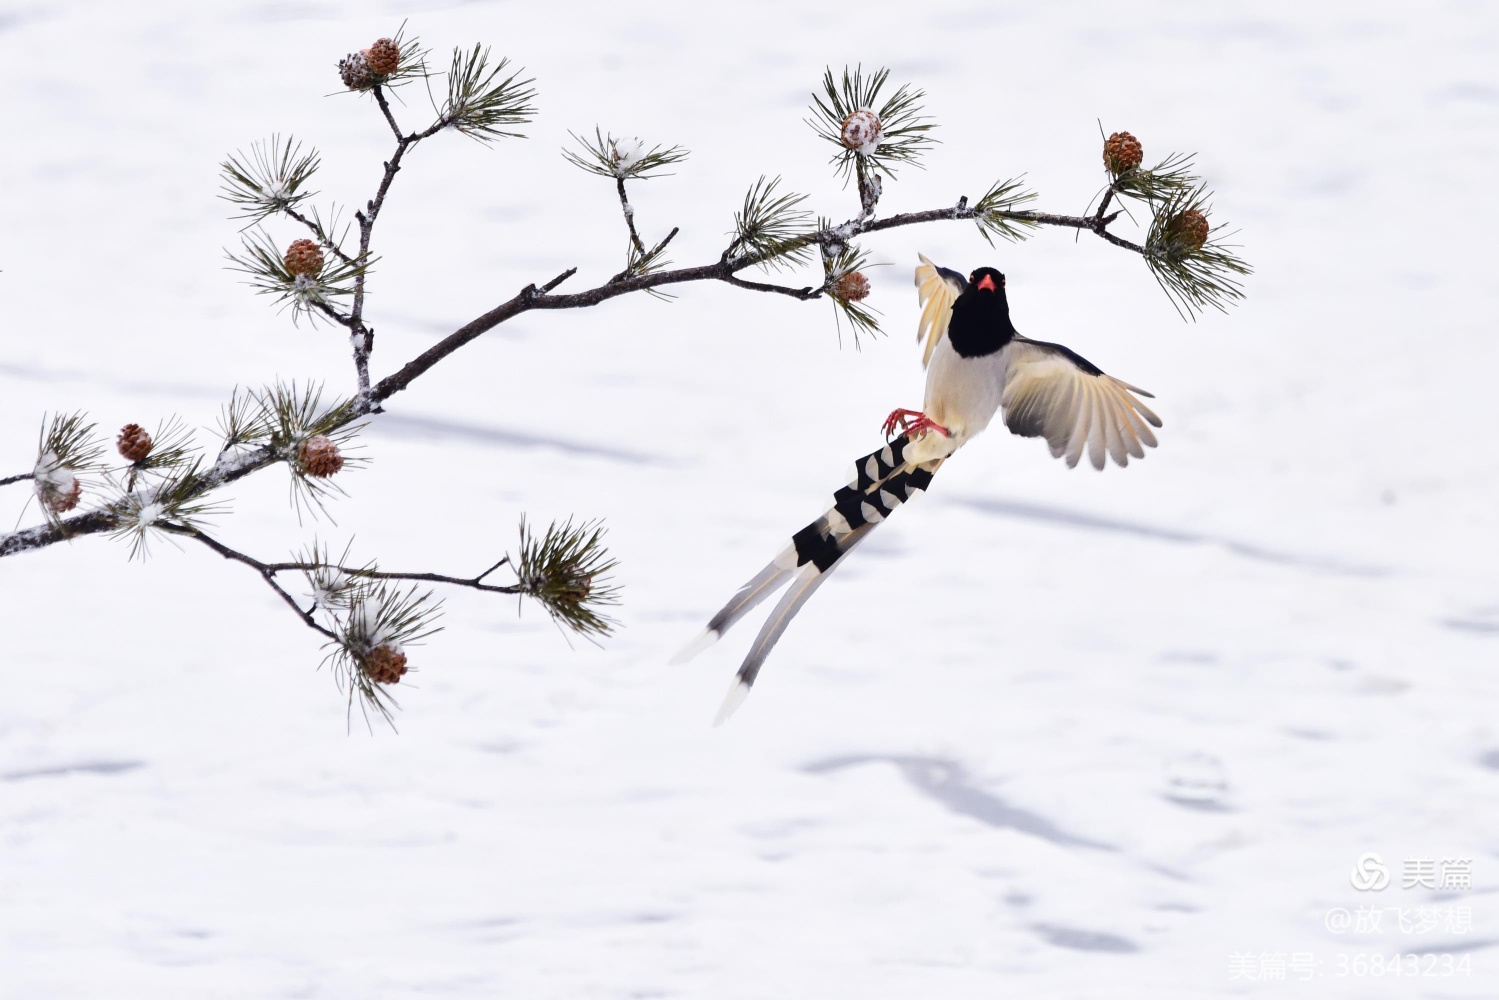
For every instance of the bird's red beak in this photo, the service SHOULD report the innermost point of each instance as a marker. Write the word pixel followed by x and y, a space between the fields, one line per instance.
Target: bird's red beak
pixel 987 282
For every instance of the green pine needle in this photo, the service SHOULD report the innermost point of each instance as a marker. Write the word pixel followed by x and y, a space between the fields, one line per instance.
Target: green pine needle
pixel 481 100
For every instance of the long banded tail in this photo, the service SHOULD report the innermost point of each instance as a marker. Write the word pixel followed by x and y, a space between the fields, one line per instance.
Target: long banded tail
pixel 881 482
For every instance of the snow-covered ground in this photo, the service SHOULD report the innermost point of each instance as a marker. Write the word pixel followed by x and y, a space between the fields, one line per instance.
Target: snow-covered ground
pixel 1050 733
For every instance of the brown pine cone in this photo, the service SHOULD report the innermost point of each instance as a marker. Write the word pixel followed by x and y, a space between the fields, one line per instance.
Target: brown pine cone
pixel 304 257
pixel 1189 230
pixel 862 132
pixel 134 443
pixel 319 457
pixel 384 664
pixel 1121 152
pixel 60 501
pixel 354 70
pixel 852 287
pixel 384 57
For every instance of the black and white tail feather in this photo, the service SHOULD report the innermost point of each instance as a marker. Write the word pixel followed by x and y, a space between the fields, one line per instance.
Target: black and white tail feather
pixel 882 481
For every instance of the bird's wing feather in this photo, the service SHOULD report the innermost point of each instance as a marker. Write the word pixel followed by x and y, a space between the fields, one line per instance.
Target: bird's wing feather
pixel 1053 393
pixel 937 288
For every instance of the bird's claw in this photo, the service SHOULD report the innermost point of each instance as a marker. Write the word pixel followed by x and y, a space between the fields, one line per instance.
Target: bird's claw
pixel 916 427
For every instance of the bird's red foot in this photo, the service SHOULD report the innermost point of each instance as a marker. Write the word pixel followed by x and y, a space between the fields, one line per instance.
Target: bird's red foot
pixel 915 427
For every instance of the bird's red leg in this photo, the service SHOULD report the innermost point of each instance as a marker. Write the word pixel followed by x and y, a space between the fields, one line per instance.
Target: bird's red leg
pixel 923 423
pixel 898 418
pixel 920 425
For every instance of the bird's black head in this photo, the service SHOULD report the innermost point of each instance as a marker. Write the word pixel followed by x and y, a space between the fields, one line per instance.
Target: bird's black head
pixel 987 279
pixel 980 322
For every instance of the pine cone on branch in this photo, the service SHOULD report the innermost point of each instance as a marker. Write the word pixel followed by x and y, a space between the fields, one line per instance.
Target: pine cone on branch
pixel 862 132
pixel 1189 231
pixel 852 287
pixel 304 257
pixel 385 664
pixel 354 70
pixel 383 58
pixel 134 443
pixel 1122 152
pixel 319 457
pixel 57 495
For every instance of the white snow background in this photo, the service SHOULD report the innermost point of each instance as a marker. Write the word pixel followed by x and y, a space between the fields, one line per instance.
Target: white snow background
pixel 1049 733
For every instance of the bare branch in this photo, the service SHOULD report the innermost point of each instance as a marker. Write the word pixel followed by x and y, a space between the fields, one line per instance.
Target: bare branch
pixel 624 203
pixel 266 573
pixel 760 286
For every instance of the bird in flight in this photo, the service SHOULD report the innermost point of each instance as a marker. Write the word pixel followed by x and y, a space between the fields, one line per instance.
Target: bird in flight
pixel 977 365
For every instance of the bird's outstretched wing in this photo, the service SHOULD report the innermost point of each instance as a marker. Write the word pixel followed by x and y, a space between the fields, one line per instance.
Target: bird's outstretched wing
pixel 937 287
pixel 1053 393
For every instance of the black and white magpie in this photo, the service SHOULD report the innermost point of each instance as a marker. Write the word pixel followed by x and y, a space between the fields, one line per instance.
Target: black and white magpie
pixel 977 365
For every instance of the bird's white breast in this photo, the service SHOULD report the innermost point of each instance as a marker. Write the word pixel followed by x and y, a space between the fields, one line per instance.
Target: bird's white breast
pixel 962 394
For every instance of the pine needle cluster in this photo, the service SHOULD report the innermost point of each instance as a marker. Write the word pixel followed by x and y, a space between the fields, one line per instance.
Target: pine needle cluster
pixel 566 571
pixel 843 261
pixel 994 211
pixel 378 613
pixel 285 416
pixel 771 227
pixel 621 158
pixel 271 178
pixel 1194 271
pixel 903 128
pixel 310 296
pixel 482 100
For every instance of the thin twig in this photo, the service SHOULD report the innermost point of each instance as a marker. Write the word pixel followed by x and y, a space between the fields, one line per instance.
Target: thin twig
pixel 390 117
pixel 759 286
pixel 624 203
pixel 16 479
pixel 337 316
pixel 266 573
pixel 1103 206
pixel 363 337
pixel 559 279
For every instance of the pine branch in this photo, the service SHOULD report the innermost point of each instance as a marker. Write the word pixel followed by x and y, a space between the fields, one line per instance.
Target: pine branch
pixel 366 616
pixel 250 456
pixel 266 573
pixel 625 159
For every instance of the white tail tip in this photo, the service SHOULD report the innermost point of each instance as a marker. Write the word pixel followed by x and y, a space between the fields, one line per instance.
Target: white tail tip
pixel 696 646
pixel 731 703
